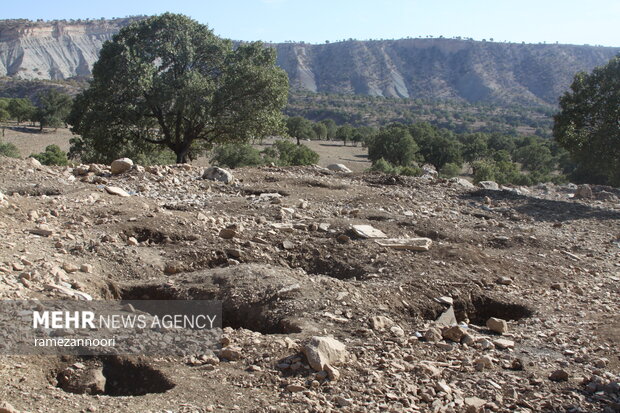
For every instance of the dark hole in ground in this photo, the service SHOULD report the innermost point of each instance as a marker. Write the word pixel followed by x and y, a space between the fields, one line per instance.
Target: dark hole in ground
pixel 332 267
pixel 158 237
pixel 235 312
pixel 123 377
pixel 482 307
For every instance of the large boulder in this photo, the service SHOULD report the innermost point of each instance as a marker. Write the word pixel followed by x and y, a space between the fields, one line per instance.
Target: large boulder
pixel 324 351
pixel 338 167
pixel 218 174
pixel 462 182
pixel 120 166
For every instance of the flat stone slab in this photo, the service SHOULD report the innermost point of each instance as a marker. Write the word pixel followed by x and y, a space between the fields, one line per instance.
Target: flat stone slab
pixel 413 244
pixel 368 231
pixel 115 190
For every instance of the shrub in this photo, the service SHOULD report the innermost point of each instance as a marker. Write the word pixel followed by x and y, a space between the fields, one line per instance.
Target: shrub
pixel 450 170
pixel 9 150
pixel 53 155
pixel 291 154
pixel 385 167
pixel 236 155
pixel 395 145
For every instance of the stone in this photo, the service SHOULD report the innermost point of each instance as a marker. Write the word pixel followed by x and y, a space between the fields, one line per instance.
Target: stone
pixel 502 343
pixel 231 353
pixel 34 162
pixel 474 404
pixel 121 165
pixel 87 268
pixel 228 233
pixel 367 231
pixel 332 373
pixel 583 192
pixel 42 230
pixel 288 245
pixel 131 241
pixel 454 333
pixel 462 182
pixel 497 325
pixel 484 362
pixel 491 185
pixel 411 244
pixel 343 238
pixel 559 375
pixel 173 267
pixel 504 281
pixel 442 386
pixel 338 167
pixel 321 351
pixel 295 388
pixel 70 268
pixel 341 401
pixel 380 322
pixel 115 190
pixel 433 334
pixel 6 407
pixel 447 318
pixel 218 174
pixel 83 381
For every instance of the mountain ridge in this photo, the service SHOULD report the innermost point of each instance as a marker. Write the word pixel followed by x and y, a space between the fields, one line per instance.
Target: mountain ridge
pixel 438 68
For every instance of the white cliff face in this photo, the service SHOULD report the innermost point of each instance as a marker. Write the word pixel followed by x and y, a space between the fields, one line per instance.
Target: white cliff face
pixel 53 50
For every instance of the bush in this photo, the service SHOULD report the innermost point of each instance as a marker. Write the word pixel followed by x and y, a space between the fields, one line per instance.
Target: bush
pixel 450 170
pixel 9 150
pixel 385 167
pixel 53 155
pixel 235 156
pixel 291 154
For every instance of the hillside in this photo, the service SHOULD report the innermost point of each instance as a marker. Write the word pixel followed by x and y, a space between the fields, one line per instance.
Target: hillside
pixel 279 250
pixel 463 70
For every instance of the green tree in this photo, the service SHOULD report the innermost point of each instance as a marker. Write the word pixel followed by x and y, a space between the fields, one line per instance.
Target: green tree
pixel 331 128
pixel 344 133
pixel 169 81
pixel 287 153
pixel 300 128
pixel 21 109
pixel 588 123
pixel 320 131
pixel 54 107
pixel 53 155
pixel 395 145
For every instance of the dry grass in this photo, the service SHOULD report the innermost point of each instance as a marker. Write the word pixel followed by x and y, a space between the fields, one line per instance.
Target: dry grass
pixel 30 140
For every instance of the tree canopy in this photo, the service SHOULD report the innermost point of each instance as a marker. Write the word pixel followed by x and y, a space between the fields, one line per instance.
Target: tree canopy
pixel 169 81
pixel 588 124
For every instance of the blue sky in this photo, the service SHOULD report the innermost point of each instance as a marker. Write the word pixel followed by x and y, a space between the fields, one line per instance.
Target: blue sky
pixel 569 21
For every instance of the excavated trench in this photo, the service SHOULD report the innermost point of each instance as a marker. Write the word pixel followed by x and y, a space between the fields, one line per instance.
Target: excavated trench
pixel 482 307
pixel 236 313
pixel 114 376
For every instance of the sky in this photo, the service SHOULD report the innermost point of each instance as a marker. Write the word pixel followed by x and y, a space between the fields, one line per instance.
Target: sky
pixel 593 22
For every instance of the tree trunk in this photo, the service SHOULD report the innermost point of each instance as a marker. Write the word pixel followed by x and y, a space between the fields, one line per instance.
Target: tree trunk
pixel 182 152
pixel 298 141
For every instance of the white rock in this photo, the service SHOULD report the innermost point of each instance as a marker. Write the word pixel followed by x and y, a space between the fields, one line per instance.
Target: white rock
pixel 462 182
pixel 322 351
pixel 412 244
pixel 121 165
pixel 34 162
pixel 115 190
pixel 338 167
pixel 497 325
pixel 218 174
pixel 368 231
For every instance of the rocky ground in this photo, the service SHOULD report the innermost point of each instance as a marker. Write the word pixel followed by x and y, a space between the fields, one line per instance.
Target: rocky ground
pixel 513 307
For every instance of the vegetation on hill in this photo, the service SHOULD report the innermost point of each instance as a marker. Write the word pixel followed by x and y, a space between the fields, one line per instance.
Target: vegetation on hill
pixel 588 124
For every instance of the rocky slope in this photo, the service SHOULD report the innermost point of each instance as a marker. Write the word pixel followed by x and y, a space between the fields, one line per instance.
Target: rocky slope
pixel 279 248
pixel 417 68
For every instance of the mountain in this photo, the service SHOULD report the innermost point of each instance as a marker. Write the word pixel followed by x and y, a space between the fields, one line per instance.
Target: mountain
pixel 465 70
